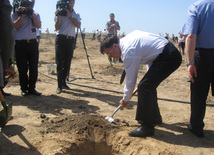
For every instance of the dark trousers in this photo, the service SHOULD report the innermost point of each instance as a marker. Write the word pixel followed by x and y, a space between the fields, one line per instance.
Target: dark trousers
pixel 27 56
pixel 204 62
pixel 166 63
pixel 182 47
pixel 64 55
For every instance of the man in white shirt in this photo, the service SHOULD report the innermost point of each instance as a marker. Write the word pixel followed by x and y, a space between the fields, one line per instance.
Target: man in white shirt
pixel 162 59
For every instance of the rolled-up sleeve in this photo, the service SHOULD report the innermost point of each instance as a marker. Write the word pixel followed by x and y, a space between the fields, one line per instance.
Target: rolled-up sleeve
pixel 191 25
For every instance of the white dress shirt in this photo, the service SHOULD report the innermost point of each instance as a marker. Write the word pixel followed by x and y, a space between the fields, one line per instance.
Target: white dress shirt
pixel 138 48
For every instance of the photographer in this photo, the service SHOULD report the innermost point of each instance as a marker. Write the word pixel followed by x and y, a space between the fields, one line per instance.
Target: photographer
pixel 65 22
pixel 26 47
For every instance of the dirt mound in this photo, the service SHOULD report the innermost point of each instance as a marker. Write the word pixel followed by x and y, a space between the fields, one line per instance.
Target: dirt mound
pixel 82 134
pixel 108 70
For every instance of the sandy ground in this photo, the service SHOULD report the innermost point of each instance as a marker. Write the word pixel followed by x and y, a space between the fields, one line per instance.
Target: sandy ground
pixel 73 122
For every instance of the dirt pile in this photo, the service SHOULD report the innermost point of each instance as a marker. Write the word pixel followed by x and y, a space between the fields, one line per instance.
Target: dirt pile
pixel 81 134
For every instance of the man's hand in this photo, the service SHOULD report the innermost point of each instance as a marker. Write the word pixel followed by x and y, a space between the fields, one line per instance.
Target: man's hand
pixel 192 72
pixel 56 12
pixel 9 73
pixel 21 9
pixel 123 104
pixel 68 12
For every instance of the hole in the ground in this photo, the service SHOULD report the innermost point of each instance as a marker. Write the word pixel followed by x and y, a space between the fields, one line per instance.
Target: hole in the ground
pixel 90 148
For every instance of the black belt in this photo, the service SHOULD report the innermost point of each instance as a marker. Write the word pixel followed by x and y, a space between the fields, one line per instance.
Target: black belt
pixel 65 36
pixel 26 40
pixel 204 49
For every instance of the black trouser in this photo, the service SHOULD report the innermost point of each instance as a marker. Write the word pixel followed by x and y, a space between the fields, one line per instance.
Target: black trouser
pixel 27 56
pixel 204 62
pixel 166 63
pixel 64 55
pixel 182 47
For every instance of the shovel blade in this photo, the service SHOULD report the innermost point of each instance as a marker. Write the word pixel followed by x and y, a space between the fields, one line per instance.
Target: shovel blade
pixel 110 119
pixel 5 114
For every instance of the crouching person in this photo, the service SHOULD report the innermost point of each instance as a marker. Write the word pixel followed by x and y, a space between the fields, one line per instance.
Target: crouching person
pixel 162 59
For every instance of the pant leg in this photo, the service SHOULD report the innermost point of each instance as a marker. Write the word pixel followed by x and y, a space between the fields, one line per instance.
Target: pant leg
pixel 22 65
pixel 59 51
pixel 33 58
pixel 200 88
pixel 182 47
pixel 68 55
pixel 166 63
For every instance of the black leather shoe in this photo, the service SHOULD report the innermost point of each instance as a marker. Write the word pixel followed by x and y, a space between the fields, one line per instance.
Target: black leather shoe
pixel 66 87
pixel 198 133
pixel 142 131
pixel 24 93
pixel 34 92
pixel 59 90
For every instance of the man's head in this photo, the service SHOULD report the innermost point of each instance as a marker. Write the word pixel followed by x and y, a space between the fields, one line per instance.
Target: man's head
pixel 72 5
pixel 27 3
pixel 112 17
pixel 110 46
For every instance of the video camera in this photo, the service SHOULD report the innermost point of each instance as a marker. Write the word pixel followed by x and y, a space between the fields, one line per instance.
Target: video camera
pixel 60 5
pixel 25 4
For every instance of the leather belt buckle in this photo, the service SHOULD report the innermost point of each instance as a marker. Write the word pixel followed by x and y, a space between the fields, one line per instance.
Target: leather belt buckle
pixel 69 37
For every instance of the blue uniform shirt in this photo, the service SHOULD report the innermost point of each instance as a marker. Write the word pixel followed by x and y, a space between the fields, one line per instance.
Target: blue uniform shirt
pixel 67 27
pixel 27 29
pixel 200 21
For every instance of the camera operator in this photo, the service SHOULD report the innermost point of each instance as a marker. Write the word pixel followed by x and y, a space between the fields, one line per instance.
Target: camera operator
pixel 65 27
pixel 26 47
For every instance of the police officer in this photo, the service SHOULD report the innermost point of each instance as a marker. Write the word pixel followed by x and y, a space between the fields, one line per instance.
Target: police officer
pixel 26 47
pixel 200 56
pixel 65 27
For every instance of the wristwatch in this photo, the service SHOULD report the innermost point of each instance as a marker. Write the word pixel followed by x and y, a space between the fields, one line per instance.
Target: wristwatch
pixel 189 64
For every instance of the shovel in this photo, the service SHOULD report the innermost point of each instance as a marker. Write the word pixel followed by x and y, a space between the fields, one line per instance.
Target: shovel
pixel 110 119
pixel 6 112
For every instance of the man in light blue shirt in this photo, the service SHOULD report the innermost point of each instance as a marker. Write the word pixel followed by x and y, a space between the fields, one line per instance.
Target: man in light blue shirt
pixel 199 33
pixel 65 26
pixel 160 55
pixel 26 20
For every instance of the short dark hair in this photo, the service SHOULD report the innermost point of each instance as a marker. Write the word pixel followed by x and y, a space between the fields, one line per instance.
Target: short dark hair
pixel 107 42
pixel 111 14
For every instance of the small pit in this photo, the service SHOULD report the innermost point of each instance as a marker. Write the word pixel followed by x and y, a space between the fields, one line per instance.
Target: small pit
pixel 81 134
pixel 90 148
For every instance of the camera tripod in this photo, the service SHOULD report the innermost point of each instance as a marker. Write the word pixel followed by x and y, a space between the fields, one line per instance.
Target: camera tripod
pixel 87 56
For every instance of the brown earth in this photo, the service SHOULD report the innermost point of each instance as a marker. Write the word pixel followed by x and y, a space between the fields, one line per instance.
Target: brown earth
pixel 73 122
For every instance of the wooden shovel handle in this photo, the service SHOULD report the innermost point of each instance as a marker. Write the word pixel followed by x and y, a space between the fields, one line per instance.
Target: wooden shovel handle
pixel 134 92
pixel 2 97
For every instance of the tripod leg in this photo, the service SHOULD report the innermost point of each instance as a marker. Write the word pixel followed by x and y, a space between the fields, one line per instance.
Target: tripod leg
pixel 92 76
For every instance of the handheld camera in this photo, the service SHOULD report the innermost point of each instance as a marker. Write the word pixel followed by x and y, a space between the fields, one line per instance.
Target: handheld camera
pixel 25 4
pixel 60 5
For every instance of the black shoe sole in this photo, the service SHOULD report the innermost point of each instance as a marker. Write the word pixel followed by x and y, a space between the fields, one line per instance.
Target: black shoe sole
pixel 144 135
